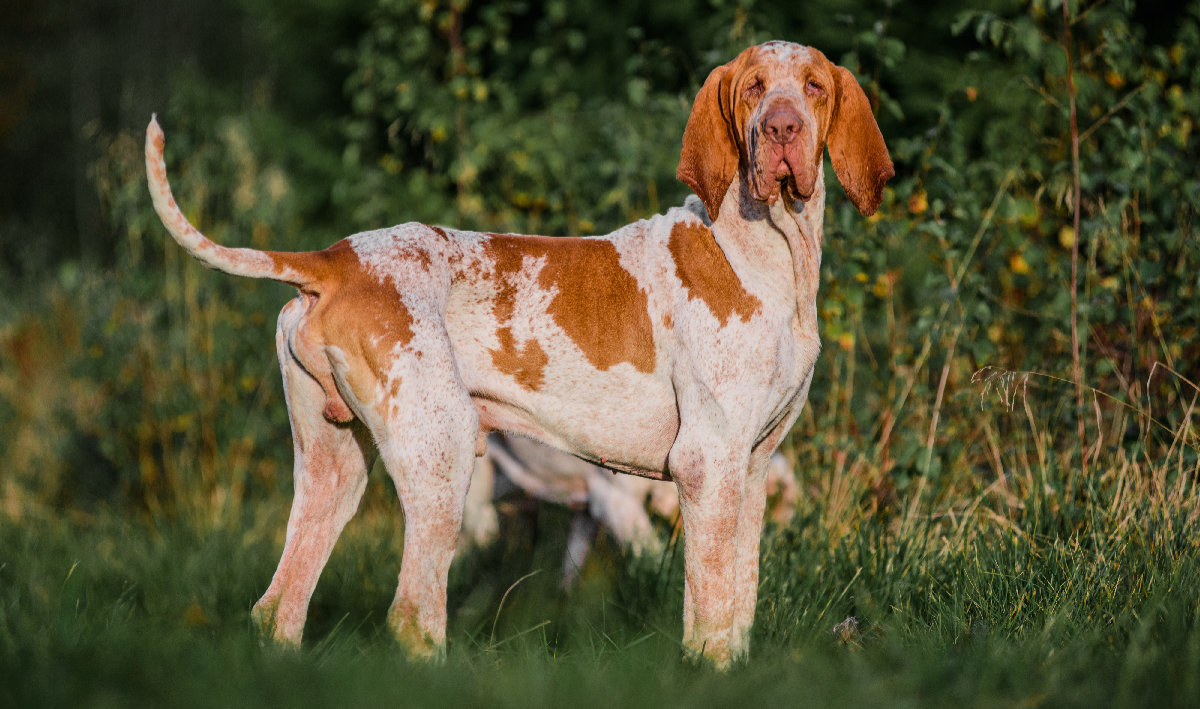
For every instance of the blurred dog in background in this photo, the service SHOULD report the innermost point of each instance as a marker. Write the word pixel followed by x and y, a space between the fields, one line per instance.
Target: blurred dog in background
pixel 620 504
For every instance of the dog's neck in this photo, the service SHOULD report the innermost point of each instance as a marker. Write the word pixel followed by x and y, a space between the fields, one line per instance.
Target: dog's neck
pixel 781 241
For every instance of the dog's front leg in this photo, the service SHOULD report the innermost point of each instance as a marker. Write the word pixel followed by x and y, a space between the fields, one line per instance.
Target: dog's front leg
pixel 711 490
pixel 750 527
pixel 749 535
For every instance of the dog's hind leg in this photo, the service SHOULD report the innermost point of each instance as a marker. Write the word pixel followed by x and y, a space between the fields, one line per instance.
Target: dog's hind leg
pixel 427 442
pixel 331 462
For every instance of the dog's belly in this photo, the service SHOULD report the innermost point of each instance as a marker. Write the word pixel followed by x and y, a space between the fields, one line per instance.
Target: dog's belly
pixel 629 428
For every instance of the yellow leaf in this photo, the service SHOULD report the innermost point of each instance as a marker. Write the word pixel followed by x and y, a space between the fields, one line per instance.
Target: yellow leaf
pixel 194 616
pixel 1018 264
pixel 918 202
pixel 1176 54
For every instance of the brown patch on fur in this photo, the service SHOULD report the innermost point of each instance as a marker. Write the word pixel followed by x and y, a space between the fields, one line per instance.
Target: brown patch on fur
pixel 707 275
pixel 351 309
pixel 365 307
pixel 422 257
pixel 394 388
pixel 525 364
pixel 596 302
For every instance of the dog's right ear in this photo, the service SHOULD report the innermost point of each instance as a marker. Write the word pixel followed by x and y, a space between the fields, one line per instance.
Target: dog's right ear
pixel 709 160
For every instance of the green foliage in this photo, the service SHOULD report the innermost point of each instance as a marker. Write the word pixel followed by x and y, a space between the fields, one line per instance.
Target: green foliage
pixel 1137 104
pixel 478 115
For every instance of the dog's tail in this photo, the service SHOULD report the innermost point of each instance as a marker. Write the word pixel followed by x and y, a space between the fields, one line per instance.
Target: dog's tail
pixel 299 269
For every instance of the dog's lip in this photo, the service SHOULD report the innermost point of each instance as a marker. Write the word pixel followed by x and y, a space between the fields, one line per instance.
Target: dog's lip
pixel 770 184
pixel 793 188
pixel 791 182
pixel 777 170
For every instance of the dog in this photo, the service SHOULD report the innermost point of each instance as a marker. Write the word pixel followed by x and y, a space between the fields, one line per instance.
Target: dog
pixel 620 503
pixel 680 347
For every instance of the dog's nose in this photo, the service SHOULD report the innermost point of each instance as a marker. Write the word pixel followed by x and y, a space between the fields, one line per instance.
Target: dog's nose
pixel 782 125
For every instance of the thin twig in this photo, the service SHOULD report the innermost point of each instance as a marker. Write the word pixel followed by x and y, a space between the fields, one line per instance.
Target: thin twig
pixel 1005 383
pixel 941 393
pixel 492 634
pixel 955 282
pixel 1076 369
pixel 1117 108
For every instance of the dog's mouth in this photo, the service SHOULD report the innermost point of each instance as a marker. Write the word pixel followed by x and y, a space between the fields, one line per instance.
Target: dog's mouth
pixel 780 171
pixel 786 185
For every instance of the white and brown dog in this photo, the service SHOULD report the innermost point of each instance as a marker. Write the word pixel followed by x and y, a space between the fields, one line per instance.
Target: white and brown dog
pixel 679 347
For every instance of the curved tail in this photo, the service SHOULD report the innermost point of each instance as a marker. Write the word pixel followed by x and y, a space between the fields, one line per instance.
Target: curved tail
pixel 293 268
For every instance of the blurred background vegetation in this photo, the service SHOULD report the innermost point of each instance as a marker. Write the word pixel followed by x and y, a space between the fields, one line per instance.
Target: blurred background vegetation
pixel 130 377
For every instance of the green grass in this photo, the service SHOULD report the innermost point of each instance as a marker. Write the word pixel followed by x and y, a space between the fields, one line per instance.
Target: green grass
pixel 109 611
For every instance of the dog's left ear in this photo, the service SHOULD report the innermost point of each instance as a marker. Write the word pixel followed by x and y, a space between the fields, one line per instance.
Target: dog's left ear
pixel 709 160
pixel 856 147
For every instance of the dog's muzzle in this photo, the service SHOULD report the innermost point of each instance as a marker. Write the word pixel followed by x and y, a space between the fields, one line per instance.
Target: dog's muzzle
pixel 781 155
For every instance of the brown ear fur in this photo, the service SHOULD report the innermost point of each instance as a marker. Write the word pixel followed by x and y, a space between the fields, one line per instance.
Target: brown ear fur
pixel 709 160
pixel 856 147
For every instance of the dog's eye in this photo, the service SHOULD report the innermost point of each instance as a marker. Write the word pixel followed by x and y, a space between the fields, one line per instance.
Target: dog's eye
pixel 814 89
pixel 753 91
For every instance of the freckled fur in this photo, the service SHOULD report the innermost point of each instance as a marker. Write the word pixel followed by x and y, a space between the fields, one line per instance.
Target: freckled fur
pixel 679 347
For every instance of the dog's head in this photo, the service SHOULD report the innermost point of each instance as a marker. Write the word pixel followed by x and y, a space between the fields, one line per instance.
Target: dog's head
pixel 771 112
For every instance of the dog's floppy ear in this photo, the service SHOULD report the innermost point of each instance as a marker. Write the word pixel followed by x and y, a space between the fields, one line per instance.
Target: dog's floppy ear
pixel 856 147
pixel 709 160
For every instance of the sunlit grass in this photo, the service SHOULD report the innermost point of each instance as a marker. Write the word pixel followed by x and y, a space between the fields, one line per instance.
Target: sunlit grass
pixel 1097 609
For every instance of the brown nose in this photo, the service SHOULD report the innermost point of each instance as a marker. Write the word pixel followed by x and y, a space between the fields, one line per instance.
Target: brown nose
pixel 781 125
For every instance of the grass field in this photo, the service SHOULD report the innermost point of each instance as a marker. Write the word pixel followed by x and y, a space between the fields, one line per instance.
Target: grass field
pixel 1087 601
